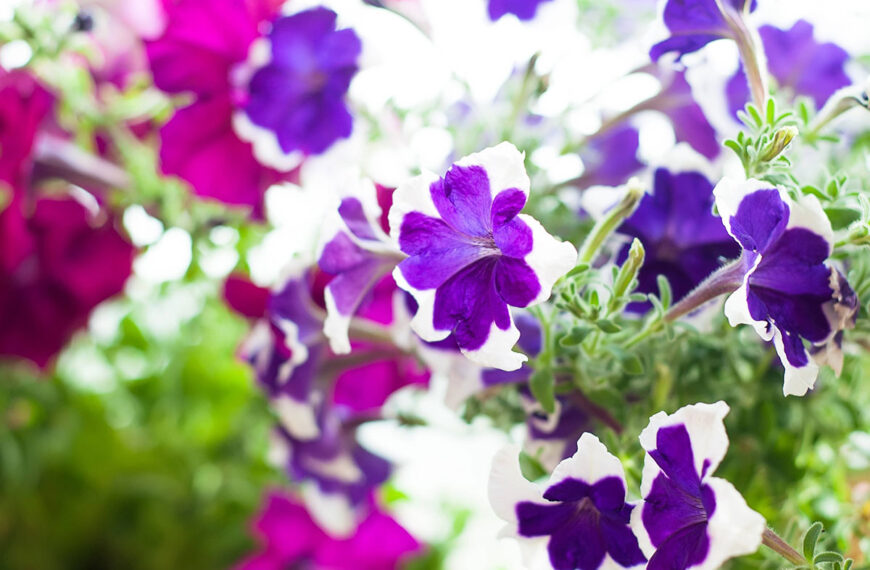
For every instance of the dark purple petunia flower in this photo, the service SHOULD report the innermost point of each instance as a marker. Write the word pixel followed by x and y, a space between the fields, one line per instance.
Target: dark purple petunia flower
pixel 799 64
pixel 292 538
pixel 298 96
pixel 581 517
pixel 522 9
pixel 56 265
pixel 695 23
pixel 789 295
pixel 472 255
pixel 682 238
pixel 611 157
pixel 688 518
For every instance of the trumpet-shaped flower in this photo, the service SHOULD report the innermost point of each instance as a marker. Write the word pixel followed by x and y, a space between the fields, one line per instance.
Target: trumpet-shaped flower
pixel 695 23
pixel 472 255
pixel 788 293
pixel 688 518
pixel 579 521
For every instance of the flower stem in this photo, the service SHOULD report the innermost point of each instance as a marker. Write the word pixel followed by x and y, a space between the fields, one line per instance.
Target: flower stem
pixel 608 224
pixel 726 279
pixel 751 52
pixel 771 540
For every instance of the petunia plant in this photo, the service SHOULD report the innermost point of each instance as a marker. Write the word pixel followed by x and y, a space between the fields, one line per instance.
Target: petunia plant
pixel 289 261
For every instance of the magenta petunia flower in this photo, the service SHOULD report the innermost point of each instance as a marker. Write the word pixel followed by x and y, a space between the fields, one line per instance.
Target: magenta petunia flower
pixel 291 538
pixel 56 265
pixel 251 121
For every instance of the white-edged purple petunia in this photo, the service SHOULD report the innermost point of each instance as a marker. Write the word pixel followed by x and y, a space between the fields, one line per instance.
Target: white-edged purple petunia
pixel 688 518
pixel 579 521
pixel 358 254
pixel 472 255
pixel 788 293
pixel 695 23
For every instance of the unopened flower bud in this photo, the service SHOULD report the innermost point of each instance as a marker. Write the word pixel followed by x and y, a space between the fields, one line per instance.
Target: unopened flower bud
pixel 781 139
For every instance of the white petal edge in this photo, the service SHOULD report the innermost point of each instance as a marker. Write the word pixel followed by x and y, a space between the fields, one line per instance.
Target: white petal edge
pixel 507 487
pixel 807 213
pixel 550 258
pixel 590 463
pixel 683 158
pixel 734 529
pixel 336 325
pixel 298 418
pixel 412 196
pixel 332 512
pixel 496 351
pixel 651 470
pixel 504 165
pixel 797 381
pixel 266 148
pixel 730 192
pixel 706 432
pixel 422 322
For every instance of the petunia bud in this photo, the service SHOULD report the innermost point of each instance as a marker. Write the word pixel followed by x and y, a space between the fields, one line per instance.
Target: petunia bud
pixel 781 139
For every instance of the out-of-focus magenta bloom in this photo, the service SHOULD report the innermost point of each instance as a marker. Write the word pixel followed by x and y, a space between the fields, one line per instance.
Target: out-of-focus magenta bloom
pixel 55 266
pixel 292 539
pixel 799 63
pixel 251 121
pixel 202 44
pixel 24 105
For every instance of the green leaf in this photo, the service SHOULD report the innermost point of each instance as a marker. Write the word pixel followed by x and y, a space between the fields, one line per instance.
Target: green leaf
pixel 542 386
pixel 842 217
pixel 531 468
pixel 608 326
pixel 827 557
pixel 811 538
pixel 576 336
pixel 633 365
pixel 578 269
pixel 665 293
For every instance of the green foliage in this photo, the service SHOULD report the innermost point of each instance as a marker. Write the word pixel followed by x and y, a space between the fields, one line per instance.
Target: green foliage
pixel 146 451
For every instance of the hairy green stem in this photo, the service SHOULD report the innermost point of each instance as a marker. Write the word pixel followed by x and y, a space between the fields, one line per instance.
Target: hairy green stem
pixel 771 540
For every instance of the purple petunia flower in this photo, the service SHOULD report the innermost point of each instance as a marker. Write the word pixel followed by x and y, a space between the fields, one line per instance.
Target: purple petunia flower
pixel 472 255
pixel 359 255
pixel 579 521
pixel 291 537
pixel 296 97
pixel 695 23
pixel 799 63
pixel 682 238
pixel 788 293
pixel 250 122
pixel 610 157
pixel 688 518
pixel 522 9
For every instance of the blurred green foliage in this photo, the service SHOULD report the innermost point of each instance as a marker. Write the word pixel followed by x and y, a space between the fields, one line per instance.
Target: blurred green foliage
pixel 145 450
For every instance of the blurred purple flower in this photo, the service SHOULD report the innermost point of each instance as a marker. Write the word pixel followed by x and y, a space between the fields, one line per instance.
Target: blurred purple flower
pixel 610 157
pixel 24 106
pixel 695 23
pixel 298 95
pixel 799 64
pixel 682 238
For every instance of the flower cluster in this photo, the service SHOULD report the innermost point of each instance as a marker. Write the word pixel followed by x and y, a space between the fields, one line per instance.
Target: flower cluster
pixel 581 520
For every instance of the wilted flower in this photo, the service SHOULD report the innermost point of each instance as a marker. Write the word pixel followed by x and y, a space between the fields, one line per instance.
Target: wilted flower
pixel 695 23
